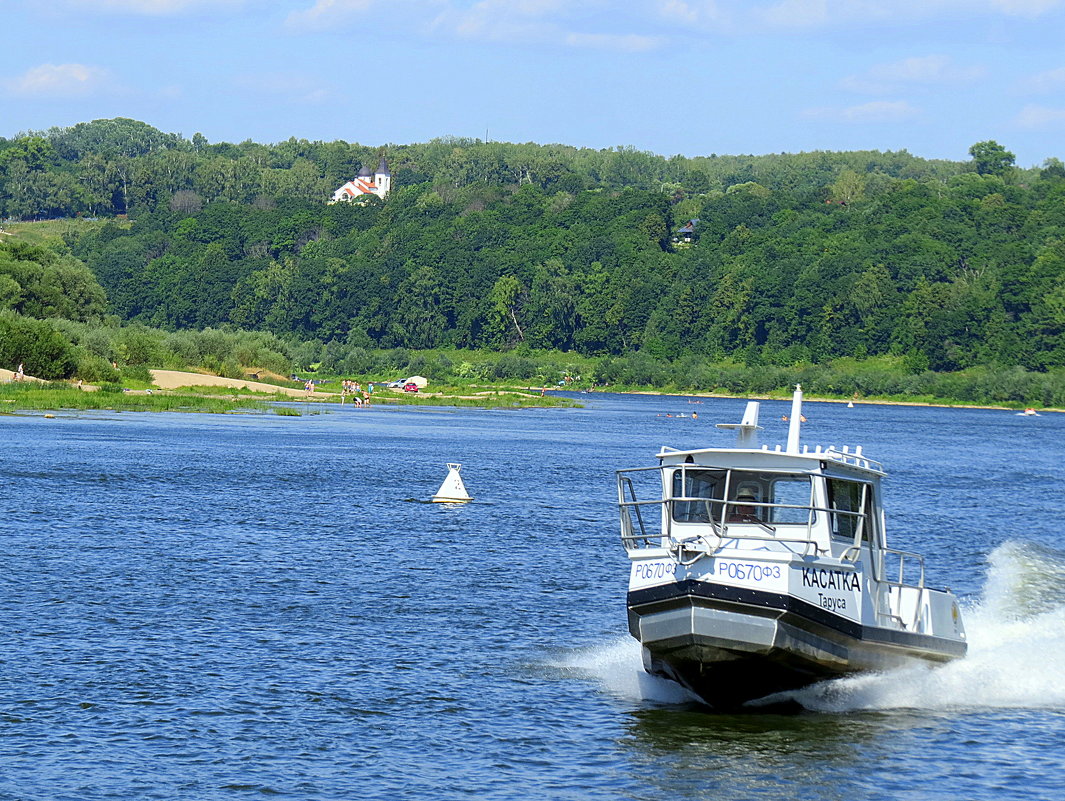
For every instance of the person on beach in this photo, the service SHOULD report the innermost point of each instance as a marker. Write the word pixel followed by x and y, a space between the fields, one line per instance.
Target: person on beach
pixel 20 373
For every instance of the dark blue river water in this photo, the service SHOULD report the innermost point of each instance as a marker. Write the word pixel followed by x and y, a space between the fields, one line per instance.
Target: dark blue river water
pixel 227 607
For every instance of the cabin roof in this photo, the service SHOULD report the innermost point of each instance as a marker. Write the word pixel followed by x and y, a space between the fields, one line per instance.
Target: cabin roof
pixel 809 460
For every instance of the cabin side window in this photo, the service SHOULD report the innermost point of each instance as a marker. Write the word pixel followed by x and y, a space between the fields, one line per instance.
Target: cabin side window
pixel 703 484
pixel 845 501
pixel 790 492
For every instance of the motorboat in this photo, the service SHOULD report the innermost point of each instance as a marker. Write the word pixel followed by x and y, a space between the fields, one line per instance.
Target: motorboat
pixel 758 571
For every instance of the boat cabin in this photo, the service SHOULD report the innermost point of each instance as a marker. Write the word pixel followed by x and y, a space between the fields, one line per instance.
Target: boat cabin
pixel 824 502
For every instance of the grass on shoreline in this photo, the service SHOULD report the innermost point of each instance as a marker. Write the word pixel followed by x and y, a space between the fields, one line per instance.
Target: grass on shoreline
pixel 514 392
pixel 492 399
pixel 61 397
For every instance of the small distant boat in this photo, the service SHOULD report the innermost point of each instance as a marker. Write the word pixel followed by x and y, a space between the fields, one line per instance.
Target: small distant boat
pixel 757 571
pixel 452 490
pixel 1029 412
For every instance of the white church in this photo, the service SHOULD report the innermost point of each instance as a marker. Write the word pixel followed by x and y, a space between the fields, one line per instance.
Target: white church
pixel 368 183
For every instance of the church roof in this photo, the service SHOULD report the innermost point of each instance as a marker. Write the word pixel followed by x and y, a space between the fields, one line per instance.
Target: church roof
pixel 382 167
pixel 365 172
pixel 360 186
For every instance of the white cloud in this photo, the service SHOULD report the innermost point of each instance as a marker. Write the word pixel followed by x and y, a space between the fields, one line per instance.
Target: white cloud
pixel 691 12
pixel 921 70
pixel 618 25
pixel 1044 82
pixel 880 111
pixel 876 111
pixel 797 13
pixel 503 20
pixel 631 43
pixel 286 86
pixel 325 13
pixel 1026 8
pixel 1041 118
pixel 818 13
pixel 61 80
pixel 157 8
pixel 574 23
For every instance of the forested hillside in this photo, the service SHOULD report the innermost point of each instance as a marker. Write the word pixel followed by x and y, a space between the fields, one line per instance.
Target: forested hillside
pixel 797 258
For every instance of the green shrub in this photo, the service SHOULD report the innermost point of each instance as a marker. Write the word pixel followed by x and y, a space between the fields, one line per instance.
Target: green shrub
pixel 43 350
pixel 137 372
pixel 231 369
pixel 93 368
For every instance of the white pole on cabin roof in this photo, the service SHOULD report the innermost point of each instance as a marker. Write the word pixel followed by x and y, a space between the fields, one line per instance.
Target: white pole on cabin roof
pixel 795 421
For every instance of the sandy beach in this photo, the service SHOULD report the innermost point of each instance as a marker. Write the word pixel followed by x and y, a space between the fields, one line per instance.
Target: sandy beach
pixel 9 375
pixel 177 379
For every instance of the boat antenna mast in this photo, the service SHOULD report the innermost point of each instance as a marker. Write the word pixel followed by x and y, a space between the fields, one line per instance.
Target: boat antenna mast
pixel 747 430
pixel 795 423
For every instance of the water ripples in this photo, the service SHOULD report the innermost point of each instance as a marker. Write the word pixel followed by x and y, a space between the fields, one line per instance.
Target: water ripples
pixel 216 608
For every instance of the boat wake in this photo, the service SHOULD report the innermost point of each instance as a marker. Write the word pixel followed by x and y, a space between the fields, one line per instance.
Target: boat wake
pixel 618 667
pixel 1016 636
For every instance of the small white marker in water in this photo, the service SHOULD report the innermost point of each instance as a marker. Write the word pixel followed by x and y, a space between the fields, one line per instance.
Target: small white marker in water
pixel 452 490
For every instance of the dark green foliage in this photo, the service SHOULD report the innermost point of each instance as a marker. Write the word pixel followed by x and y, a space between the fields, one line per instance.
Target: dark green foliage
pixel 799 258
pixel 37 282
pixel 36 344
pixel 991 158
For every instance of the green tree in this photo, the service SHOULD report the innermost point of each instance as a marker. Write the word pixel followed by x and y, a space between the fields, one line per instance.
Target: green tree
pixel 36 344
pixel 991 158
pixel 420 320
pixel 506 303
pixel 49 285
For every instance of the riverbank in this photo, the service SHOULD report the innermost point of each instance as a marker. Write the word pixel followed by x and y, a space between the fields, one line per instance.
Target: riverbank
pixel 183 391
pixel 51 397
pixel 202 391
pixel 933 403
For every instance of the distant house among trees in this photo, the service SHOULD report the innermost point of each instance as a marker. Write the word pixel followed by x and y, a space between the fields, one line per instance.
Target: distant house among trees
pixel 367 183
pixel 685 235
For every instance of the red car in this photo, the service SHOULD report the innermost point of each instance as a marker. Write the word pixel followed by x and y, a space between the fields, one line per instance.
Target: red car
pixel 410 386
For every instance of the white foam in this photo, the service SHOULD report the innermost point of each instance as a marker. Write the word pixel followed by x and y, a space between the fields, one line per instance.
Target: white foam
pixel 618 667
pixel 1016 648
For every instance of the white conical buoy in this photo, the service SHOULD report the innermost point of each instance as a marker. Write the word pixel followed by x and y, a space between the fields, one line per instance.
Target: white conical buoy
pixel 452 490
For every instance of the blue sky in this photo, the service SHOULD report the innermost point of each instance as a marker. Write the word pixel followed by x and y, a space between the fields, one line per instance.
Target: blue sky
pixel 670 76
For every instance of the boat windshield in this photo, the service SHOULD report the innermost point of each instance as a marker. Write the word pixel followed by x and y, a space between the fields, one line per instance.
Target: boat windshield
pixel 753 497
